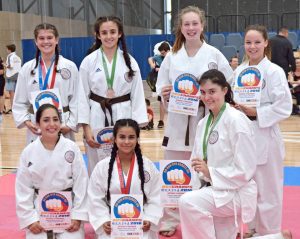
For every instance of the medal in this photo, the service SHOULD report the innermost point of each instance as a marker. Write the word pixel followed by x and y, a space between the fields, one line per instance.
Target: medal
pixel 110 93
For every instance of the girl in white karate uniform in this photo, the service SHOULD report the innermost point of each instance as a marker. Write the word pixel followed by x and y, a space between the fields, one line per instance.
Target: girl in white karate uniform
pixel 223 156
pixel 48 70
pixel 51 163
pixel 192 56
pixel 110 86
pixel 139 177
pixel 275 106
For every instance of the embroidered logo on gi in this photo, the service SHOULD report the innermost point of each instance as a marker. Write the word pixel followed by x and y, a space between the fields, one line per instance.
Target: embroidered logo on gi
pixel 54 202
pixel 212 65
pixel 65 73
pixel 98 70
pixel 186 84
pixel 127 78
pixel 127 207
pixel 34 82
pixel 176 173
pixel 69 156
pixel 29 164
pixel 213 137
pixel 147 176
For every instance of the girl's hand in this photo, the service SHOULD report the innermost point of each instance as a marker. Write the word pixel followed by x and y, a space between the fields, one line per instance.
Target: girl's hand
pixel 35 228
pixel 32 127
pixel 250 111
pixel 201 166
pixel 165 92
pixel 107 227
pixel 75 225
pixel 89 137
pixel 146 226
pixel 65 129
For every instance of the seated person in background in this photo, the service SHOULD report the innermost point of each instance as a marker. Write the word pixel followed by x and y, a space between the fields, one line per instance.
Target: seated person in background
pixel 150 114
pixel 234 62
pixel 294 82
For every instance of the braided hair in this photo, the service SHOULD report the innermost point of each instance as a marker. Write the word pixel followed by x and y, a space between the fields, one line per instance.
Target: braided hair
pixel 121 40
pixel 120 124
pixel 45 26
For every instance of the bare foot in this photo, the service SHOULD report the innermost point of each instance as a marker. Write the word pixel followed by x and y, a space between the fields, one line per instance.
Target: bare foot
pixel 286 234
pixel 167 233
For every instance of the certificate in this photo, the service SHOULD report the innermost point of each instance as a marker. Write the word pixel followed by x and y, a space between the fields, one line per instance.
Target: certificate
pixel 184 98
pixel 176 179
pixel 127 216
pixel 42 97
pixel 106 140
pixel 55 210
pixel 247 87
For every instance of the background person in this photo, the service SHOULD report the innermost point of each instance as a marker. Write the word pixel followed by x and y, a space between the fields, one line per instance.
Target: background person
pixel 2 84
pixel 13 66
pixel 190 55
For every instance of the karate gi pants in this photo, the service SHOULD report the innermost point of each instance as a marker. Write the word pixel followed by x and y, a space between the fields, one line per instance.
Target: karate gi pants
pixel 201 219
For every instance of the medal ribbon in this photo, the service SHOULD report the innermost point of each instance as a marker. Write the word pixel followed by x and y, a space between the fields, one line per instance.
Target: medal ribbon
pixel 125 188
pixel 206 134
pixel 42 74
pixel 109 79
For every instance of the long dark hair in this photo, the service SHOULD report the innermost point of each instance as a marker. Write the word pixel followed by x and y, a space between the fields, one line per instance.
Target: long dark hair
pixel 121 40
pixel 217 77
pixel 45 26
pixel 120 124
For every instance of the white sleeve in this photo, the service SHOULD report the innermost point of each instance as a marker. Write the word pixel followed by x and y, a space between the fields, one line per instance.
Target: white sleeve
pixel 281 101
pixel 243 166
pixel 80 185
pixel 21 102
pixel 25 210
pixel 163 74
pixel 153 209
pixel 98 210
pixel 73 97
pixel 224 67
pixel 138 105
pixel 84 91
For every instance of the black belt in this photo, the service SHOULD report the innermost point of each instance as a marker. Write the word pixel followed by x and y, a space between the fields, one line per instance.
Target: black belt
pixel 106 103
pixel 252 118
pixel 65 109
pixel 36 190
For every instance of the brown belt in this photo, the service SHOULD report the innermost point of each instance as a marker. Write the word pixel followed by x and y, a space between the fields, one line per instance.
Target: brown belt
pixel 106 103
pixel 36 190
pixel 65 109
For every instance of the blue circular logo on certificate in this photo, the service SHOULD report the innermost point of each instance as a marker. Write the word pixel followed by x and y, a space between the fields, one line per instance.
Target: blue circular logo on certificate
pixel 105 136
pixel 127 207
pixel 176 173
pixel 46 97
pixel 186 84
pixel 55 202
pixel 249 77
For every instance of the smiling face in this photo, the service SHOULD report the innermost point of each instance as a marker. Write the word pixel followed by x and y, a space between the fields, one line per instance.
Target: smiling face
pixel 255 45
pixel 213 95
pixel 109 35
pixel 191 26
pixel 46 41
pixel 126 140
pixel 49 123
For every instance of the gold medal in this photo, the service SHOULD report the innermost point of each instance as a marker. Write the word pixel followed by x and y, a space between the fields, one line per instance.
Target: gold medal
pixel 110 93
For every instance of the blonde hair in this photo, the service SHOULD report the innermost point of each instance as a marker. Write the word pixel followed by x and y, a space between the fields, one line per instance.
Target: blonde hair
pixel 180 39
pixel 263 31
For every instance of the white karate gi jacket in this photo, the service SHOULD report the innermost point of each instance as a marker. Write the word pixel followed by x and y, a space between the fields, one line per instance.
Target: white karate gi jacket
pixel 28 83
pixel 180 63
pixel 92 78
pixel 97 207
pixel 231 160
pixel 49 170
pixel 15 64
